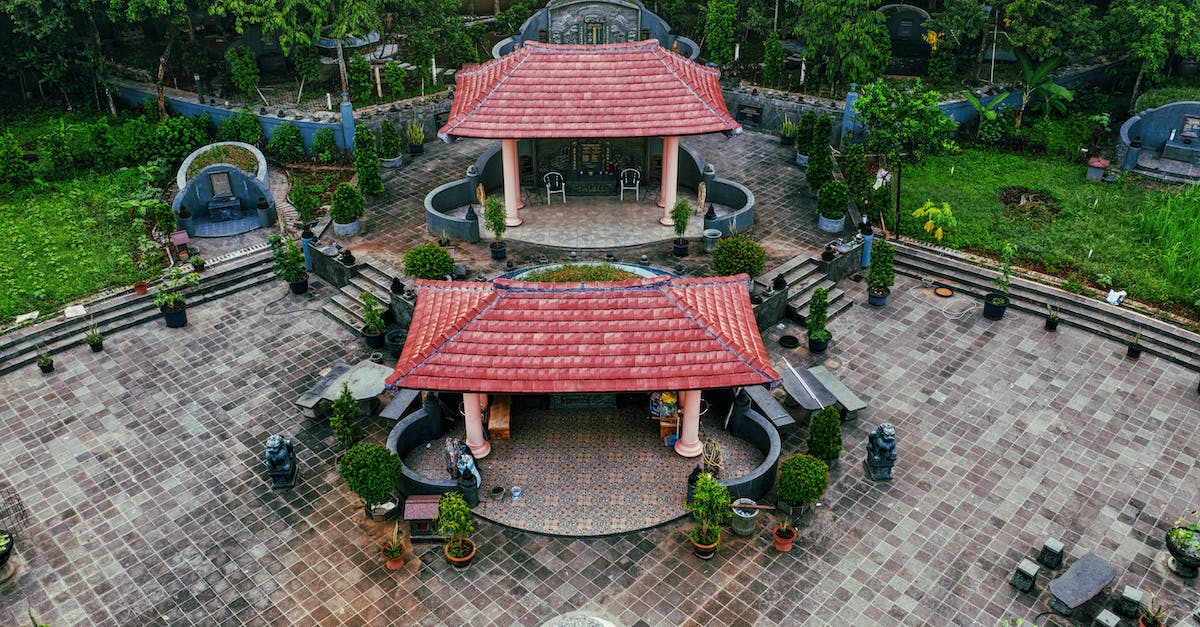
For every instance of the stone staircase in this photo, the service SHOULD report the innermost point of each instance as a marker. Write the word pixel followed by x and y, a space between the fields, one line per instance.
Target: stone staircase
pixel 345 307
pixel 116 310
pixel 803 276
pixel 959 272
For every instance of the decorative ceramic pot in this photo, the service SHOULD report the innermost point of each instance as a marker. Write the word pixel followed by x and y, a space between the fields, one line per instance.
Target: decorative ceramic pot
pixel 1181 562
pixel 784 540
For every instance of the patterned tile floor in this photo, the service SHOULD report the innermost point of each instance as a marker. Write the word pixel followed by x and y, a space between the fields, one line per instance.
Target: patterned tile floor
pixel 587 473
pixel 141 469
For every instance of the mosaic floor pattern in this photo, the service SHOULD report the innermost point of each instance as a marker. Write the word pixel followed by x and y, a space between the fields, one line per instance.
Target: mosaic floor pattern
pixel 587 472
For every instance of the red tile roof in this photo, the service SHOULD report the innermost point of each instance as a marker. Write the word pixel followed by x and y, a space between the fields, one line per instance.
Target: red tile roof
pixel 636 89
pixel 631 336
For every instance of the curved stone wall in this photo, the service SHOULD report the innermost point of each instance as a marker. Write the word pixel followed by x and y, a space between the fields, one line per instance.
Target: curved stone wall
pixel 198 192
pixel 412 431
pixel 260 171
pixel 1153 127
pixel 759 431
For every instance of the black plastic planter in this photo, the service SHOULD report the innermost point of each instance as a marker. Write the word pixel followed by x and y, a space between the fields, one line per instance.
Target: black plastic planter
pixel 299 287
pixel 97 347
pixel 994 304
pixel 394 340
pixel 817 346
pixel 1051 324
pixel 499 251
pixel 1133 351
pixel 680 248
pixel 175 317
pixel 374 340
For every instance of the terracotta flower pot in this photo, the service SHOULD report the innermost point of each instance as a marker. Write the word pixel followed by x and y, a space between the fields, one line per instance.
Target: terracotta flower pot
pixel 783 543
pixel 392 563
pixel 460 562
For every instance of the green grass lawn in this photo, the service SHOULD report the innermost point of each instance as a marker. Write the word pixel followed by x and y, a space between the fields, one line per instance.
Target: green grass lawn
pixel 65 240
pixel 1145 239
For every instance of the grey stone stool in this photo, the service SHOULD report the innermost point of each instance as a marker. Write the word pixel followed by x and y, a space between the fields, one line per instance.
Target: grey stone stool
pixel 1106 619
pixel 1052 554
pixel 1025 576
pixel 1130 604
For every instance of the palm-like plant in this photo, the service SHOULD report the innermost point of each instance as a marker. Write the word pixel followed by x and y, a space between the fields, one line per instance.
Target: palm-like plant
pixel 1037 81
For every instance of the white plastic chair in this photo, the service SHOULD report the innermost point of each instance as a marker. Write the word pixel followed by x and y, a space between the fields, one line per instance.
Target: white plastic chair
pixel 631 179
pixel 555 185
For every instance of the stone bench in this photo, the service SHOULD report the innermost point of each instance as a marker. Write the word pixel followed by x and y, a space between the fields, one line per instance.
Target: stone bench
pixel 1082 581
pixel 850 403
pixel 770 408
pixel 309 401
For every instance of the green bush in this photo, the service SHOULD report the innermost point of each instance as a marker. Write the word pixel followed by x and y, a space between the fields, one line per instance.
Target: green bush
pixel 347 204
pixel 358 74
pixel 306 62
pixel 287 259
pixel 1154 98
pixel 853 164
pixel 825 435
pixel 941 64
pixel 820 166
pixel 390 145
pixel 372 313
pixel 371 472
pixel 494 217
pixel 681 213
pixel 454 521
pixel 324 147
pixel 287 144
pixel 243 69
pixel 738 254
pixel 164 217
pixel 818 315
pixel 395 75
pixel 881 273
pixel 1062 137
pixel 366 161
pixel 175 138
pixel 92 145
pixel 242 126
pixel 428 261
pixel 579 273
pixel 303 199
pixel 13 167
pixel 806 129
pixel 343 419
pixel 54 156
pixel 831 200
pixel 802 479
pixel 710 507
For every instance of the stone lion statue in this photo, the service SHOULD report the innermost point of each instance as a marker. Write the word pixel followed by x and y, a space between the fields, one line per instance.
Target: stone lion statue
pixel 881 453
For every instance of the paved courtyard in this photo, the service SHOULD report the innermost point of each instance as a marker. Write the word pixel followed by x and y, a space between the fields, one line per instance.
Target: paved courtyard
pixel 149 506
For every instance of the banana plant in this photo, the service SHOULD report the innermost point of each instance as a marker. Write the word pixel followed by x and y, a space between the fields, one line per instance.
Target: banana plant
pixel 1037 81
pixel 987 111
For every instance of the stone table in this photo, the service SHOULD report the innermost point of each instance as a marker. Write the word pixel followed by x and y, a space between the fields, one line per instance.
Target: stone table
pixel 365 380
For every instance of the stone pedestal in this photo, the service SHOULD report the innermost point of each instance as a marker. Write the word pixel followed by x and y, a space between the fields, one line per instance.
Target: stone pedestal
pixel 772 309
pixel 1130 603
pixel 843 264
pixel 326 265
pixel 1052 554
pixel 1025 576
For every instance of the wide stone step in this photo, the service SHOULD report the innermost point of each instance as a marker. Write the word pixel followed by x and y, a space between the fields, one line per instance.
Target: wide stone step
pixel 767 277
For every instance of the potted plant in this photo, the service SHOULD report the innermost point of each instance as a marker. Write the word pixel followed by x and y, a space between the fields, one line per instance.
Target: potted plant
pixel 1153 614
pixel 373 325
pixel 802 479
pixel 680 214
pixel 494 218
pixel 938 219
pixel 428 261
pixel 262 208
pixel 7 544
pixel 44 362
pixel 994 303
pixel 1133 349
pixel 831 207
pixel 343 419
pixel 825 435
pixel 881 273
pixel 287 261
pixel 738 254
pixel 805 133
pixel 454 520
pixel 784 535
pixel 169 297
pixel 1183 542
pixel 346 207
pixel 787 132
pixel 197 262
pixel 371 472
pixel 391 148
pixel 93 337
pixel 710 505
pixel 416 138
pixel 1051 323
pixel 393 551
pixel 818 309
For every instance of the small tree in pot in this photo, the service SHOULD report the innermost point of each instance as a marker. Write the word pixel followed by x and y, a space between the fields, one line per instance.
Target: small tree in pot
pixel 825 435
pixel 428 261
pixel 710 505
pixel 344 419
pixel 802 479
pixel 680 214
pixel 882 274
pixel 454 521
pixel 169 297
pixel 831 206
pixel 494 218
pixel 366 161
pixel 345 209
pixel 416 138
pixel 373 325
pixel 390 144
pixel 371 472
pixel 818 313
pixel 995 303
pixel 287 259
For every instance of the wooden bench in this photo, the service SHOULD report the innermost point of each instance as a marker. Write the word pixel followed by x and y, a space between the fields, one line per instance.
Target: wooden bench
pixel 771 408
pixel 1082 581
pixel 309 400
pixel 498 414
pixel 850 403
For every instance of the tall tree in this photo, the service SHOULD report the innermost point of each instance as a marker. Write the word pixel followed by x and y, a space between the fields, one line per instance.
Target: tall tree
pixel 1150 30
pixel 964 22
pixel 719 18
pixel 1051 28
pixel 844 40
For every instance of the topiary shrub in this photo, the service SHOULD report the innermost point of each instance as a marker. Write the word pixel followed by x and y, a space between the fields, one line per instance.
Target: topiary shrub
pixel 242 126
pixel 347 204
pixel 805 130
pixel 881 274
pixel 390 145
pixel 831 200
pixel 680 214
pixel 366 161
pixel 494 216
pixel 710 507
pixel 428 261
pixel 853 163
pixel 303 199
pixel 371 472
pixel 325 148
pixel 825 435
pixel 344 419
pixel 818 308
pixel 738 254
pixel 287 144
pixel 820 166
pixel 358 74
pixel 802 479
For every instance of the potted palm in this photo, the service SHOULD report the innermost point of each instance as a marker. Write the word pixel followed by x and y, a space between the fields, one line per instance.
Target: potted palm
pixel 287 258
pixel 994 303
pixel 169 297
pixel 454 520
pixel 1051 323
pixel 710 505
pixel 831 206
pixel 680 214
pixel 802 479
pixel 416 138
pixel 371 472
pixel 393 551
pixel 825 435
pixel 881 273
pixel 373 325
pixel 346 207
pixel 94 338
pixel 818 309
pixel 494 218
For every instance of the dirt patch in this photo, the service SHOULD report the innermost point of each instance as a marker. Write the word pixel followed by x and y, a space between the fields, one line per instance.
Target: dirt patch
pixel 1034 207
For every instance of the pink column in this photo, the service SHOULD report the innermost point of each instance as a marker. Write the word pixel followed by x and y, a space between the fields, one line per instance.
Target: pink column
pixel 479 446
pixel 512 183
pixel 688 444
pixel 670 178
